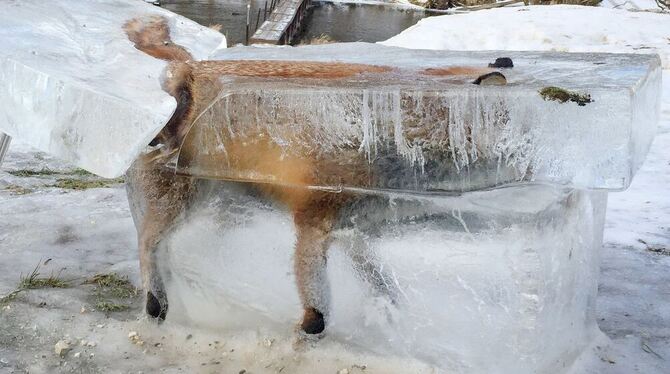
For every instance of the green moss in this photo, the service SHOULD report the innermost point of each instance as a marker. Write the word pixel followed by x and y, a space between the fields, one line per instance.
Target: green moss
pixel 112 293
pixel 113 285
pixel 80 171
pixel 18 190
pixel 76 179
pixel 84 184
pixel 32 173
pixel 50 282
pixel 562 96
pixel 108 307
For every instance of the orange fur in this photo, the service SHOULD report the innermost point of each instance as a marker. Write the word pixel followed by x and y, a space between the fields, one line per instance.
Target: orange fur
pixel 195 84
pixel 287 69
pixel 151 35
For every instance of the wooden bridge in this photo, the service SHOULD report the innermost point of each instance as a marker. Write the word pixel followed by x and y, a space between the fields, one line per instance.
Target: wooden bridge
pixel 284 23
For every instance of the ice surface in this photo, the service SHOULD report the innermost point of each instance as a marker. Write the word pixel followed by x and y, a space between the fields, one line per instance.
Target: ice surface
pixel 408 131
pixel 498 281
pixel 71 83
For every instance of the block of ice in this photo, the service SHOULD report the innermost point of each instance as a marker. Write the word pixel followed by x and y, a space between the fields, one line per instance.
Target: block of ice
pixel 71 83
pixel 500 281
pixel 423 126
pixel 501 278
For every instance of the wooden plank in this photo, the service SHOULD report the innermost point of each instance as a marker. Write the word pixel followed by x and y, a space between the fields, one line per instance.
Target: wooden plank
pixel 286 13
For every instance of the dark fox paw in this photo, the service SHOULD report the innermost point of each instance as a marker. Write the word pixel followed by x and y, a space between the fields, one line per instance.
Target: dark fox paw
pixel 313 322
pixel 157 306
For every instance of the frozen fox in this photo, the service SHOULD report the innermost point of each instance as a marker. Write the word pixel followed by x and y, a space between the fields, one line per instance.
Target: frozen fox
pixel 194 85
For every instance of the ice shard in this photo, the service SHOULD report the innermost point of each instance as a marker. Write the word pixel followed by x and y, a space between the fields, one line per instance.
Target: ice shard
pixel 73 85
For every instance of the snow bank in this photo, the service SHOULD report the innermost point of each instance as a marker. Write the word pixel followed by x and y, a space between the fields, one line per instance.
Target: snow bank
pixel 564 28
pixel 73 85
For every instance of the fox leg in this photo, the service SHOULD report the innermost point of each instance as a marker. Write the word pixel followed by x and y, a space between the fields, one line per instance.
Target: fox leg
pixel 369 268
pixel 313 225
pixel 163 198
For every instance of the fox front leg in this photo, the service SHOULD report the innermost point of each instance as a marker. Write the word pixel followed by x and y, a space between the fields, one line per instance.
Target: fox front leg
pixel 163 197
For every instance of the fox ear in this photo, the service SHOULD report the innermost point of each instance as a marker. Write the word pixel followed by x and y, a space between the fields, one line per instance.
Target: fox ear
pixel 151 35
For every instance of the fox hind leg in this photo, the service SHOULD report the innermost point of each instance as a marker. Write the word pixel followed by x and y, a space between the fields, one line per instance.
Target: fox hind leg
pixel 370 269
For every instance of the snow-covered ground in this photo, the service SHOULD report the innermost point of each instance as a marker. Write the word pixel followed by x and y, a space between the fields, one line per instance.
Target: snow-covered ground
pixel 634 291
pixel 76 234
pixel 564 28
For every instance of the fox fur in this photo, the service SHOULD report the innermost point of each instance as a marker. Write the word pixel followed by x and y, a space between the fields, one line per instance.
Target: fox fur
pixel 194 85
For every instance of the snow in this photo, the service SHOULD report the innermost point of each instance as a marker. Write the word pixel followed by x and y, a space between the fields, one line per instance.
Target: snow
pixel 73 85
pixel 564 28
pixel 633 295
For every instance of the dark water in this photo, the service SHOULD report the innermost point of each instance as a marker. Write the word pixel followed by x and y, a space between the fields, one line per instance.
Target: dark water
pixel 230 14
pixel 340 22
pixel 359 22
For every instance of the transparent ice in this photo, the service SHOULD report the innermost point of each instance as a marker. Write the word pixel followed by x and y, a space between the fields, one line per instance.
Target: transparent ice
pixel 497 281
pixel 486 230
pixel 71 83
pixel 439 133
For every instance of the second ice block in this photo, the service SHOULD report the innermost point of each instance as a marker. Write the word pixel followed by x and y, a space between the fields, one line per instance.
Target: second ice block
pixel 420 124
